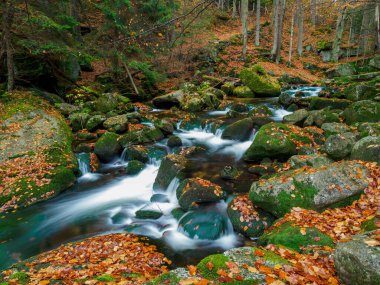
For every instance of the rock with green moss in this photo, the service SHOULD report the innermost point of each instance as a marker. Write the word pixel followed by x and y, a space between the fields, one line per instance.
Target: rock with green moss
pixel 134 167
pixel 292 237
pixel 240 130
pixel 243 92
pixel 106 102
pixel 339 146
pixel 142 136
pixel 117 124
pixel 318 103
pixel 95 122
pixel 204 225
pixel 195 190
pixel 357 261
pixel 36 147
pixel 362 111
pixel 367 149
pixel 246 218
pixel 346 69
pixel 151 211
pixel 78 121
pixel 107 147
pixel 228 88
pixel 137 152
pixel 193 103
pixel 359 92
pixel 296 118
pixel 334 185
pixel 274 140
pixel 172 277
pixel 320 117
pixel 171 167
pixel 260 111
pixel 369 129
pixel 167 101
pixel 260 82
pixel 67 109
pixel 313 160
pixel 335 128
pixel 174 141
pixel 165 126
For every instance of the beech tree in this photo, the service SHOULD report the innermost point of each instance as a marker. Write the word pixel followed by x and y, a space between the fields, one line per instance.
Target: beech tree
pixel 7 48
pixel 244 20
pixel 258 16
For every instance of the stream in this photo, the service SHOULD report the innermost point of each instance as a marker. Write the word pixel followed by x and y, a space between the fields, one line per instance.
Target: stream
pixel 106 202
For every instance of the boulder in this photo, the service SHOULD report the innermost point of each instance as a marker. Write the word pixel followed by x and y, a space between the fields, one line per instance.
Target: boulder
pixel 203 225
pixel 260 82
pixel 67 109
pixel 142 136
pixel 291 236
pixel 78 121
pixel 362 111
pixel 318 103
pixel 136 152
pixel 107 147
pixel 107 102
pixel 95 122
pixel 367 149
pixel 358 261
pixel 336 184
pixel 134 167
pixel 151 211
pixel 171 167
pixel 313 160
pixel 117 124
pixel 196 190
pixel 228 88
pixel 335 128
pixel 243 92
pixel 320 117
pixel 167 101
pixel 260 111
pixel 340 70
pixel 165 126
pixel 275 140
pixel 174 141
pixel 247 219
pixel 239 107
pixel 369 129
pixel 359 92
pixel 240 130
pixel 339 146
pixel 375 62
pixel 285 99
pixel 296 118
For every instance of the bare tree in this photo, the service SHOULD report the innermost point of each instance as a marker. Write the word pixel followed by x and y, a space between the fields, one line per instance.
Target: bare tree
pixel 234 9
pixel 275 13
pixel 313 12
pixel 8 12
pixel 377 18
pixel 244 20
pixel 282 6
pixel 339 34
pixel 291 40
pixel 300 27
pixel 258 18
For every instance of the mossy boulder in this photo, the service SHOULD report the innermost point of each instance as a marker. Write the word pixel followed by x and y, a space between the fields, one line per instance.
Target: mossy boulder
pixel 107 102
pixel 243 92
pixel 137 152
pixel 359 92
pixel 204 225
pixel 275 140
pixel 239 107
pixel 193 102
pixel 296 118
pixel 362 111
pixel 95 122
pixel 107 147
pixel 67 109
pixel 192 191
pixel 367 149
pixel 335 129
pixel 260 111
pixel 340 70
pixel 142 136
pixel 339 146
pixel 165 126
pixel 174 141
pixel 240 130
pixel 369 129
pixel 357 261
pixel 134 167
pixel 246 218
pixel 313 160
pixel 151 211
pixel 318 118
pixel 334 185
pixel 78 121
pixel 117 124
pixel 167 101
pixel 171 167
pixel 228 88
pixel 260 82
pixel 295 238
pixel 318 103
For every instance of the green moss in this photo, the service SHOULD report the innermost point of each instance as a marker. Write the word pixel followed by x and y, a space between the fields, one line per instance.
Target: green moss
pixel 105 278
pixel 166 278
pixel 369 225
pixel 131 275
pixel 290 236
pixel 243 92
pixel 272 257
pixel 21 277
pixel 244 282
pixel 219 262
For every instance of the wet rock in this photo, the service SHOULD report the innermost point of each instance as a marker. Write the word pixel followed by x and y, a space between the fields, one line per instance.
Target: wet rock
pixel 193 103
pixel 362 111
pixel 167 101
pixel 313 160
pixel 171 167
pixel 240 130
pixel 359 92
pixel 243 92
pixel 340 70
pixel 160 198
pixel 285 99
pixel 230 173
pixel 174 141
pixel 247 219
pixel 357 262
pixel 261 111
pixel 239 107
pixel 203 225
pixel 197 190
pixel 134 167
pixel 83 147
pixel 367 149
pixel 78 121
pixel 339 146
pixel 228 88
pixel 321 117
pixel 261 170
pixel 95 122
pixel 107 147
pixel 137 152
pixel 117 124
pixel 315 188
pixel 165 126
pixel 262 84
pixel 318 103
pixel 142 136
pixel 335 128
pixel 297 118
pixel 67 109
pixel 151 212
pixel 369 129
pixel 290 236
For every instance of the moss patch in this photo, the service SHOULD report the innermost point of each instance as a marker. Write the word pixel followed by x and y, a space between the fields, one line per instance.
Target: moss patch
pixel 218 261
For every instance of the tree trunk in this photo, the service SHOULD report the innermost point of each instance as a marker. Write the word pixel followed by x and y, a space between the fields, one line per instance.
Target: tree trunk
pixel 275 27
pixel 258 16
pixel 131 78
pixel 313 12
pixel 234 9
pixel 282 6
pixel 338 35
pixel 300 28
pixel 244 20
pixel 291 41
pixel 8 11
pixel 377 18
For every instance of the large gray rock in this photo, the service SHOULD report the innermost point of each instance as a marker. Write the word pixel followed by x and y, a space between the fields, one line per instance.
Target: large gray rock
pixel 107 147
pixel 367 149
pixel 335 128
pixel 117 124
pixel 95 122
pixel 171 167
pixel 358 92
pixel 362 111
pixel 340 145
pixel 167 101
pixel 337 184
pixel 357 262
pixel 341 70
pixel 240 130
pixel 78 121
pixel 313 160
pixel 296 118
pixel 375 62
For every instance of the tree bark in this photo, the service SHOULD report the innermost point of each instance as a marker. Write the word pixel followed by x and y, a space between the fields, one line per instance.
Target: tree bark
pixel 313 12
pixel 8 11
pixel 338 34
pixel 282 6
pixel 275 27
pixel 258 18
pixel 377 18
pixel 300 28
pixel 291 41
pixel 234 9
pixel 131 78
pixel 244 20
